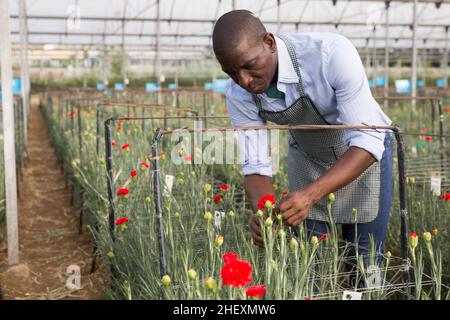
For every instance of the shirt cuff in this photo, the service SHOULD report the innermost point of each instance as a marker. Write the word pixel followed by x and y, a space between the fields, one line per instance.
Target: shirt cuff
pixel 260 169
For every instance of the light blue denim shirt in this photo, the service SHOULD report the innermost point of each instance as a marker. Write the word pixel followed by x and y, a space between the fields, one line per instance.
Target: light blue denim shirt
pixel 335 80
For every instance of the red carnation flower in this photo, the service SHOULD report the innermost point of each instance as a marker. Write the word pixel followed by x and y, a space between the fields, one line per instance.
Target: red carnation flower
pixel 121 220
pixel 133 173
pixel 324 236
pixel 229 257
pixel 218 198
pixel 113 143
pixel 224 187
pixel 428 138
pixel 308 299
pixel 119 128
pixel 188 158
pixel 125 146
pixel 145 164
pixel 445 196
pixel 236 273
pixel 122 192
pixel 264 199
pixel 412 235
pixel 256 291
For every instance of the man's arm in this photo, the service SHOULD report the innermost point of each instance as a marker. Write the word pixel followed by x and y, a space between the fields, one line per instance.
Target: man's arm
pixel 257 186
pixel 296 205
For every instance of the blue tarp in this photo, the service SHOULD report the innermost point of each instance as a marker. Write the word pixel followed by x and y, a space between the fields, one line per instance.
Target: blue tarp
pixel 379 81
pixel 403 86
pixel 119 87
pixel 100 86
pixel 172 85
pixel 440 83
pixel 151 86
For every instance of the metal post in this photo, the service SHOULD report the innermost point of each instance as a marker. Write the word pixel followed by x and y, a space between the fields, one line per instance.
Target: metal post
pixel 403 196
pixel 80 149
pixel 442 138
pixel 158 49
pixel 97 129
pixel 110 179
pixel 414 56
pixel 386 56
pixel 24 71
pixel 446 58
pixel 278 17
pixel 433 114
pixel 158 203
pixel 8 135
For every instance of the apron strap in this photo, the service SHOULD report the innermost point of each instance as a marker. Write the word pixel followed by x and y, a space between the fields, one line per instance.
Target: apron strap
pixel 294 60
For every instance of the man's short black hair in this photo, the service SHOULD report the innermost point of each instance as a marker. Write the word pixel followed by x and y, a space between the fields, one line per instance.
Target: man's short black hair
pixel 232 27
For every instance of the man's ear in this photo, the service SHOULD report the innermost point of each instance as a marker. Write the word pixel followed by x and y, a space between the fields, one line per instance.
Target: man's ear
pixel 269 40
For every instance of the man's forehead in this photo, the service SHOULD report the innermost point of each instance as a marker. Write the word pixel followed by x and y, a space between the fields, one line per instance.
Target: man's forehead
pixel 242 52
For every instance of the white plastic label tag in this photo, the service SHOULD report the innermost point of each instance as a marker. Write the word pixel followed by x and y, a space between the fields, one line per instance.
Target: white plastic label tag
pixel 351 295
pixel 436 183
pixel 168 184
pixel 218 215
pixel 414 151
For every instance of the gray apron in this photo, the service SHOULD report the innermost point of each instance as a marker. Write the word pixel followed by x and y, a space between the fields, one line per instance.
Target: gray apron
pixel 312 152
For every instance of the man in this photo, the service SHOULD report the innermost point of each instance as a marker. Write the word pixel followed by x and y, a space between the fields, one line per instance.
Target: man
pixel 316 79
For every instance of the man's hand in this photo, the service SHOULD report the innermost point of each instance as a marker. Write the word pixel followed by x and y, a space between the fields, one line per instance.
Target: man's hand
pixel 295 206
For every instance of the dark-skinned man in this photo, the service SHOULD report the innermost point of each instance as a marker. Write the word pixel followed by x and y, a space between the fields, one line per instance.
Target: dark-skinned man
pixel 308 79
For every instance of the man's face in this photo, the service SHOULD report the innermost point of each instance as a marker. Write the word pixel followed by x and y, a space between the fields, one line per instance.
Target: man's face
pixel 252 64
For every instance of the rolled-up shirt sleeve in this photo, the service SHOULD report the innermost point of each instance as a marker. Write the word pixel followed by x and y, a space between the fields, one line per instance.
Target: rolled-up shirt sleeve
pixel 355 103
pixel 253 144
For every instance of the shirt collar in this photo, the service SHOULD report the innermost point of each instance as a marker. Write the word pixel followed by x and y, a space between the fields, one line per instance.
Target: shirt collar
pixel 286 71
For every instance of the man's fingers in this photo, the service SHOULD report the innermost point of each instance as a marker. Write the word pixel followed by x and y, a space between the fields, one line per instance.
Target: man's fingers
pixel 284 204
pixel 289 213
pixel 295 219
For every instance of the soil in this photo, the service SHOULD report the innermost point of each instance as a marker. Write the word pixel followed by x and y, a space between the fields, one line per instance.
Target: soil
pixel 49 238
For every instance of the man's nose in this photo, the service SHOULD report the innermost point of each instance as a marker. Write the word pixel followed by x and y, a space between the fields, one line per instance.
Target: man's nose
pixel 244 79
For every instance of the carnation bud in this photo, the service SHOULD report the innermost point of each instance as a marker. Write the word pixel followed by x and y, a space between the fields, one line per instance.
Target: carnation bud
pixel 268 222
pixel 177 215
pixel 314 240
pixel 279 217
pixel 282 234
pixel 434 231
pixel 427 236
pixel 293 244
pixel 388 255
pixel 211 284
pixel 331 197
pixel 208 216
pixel 355 213
pixel 268 204
pixel 165 280
pixel 180 181
pixel 192 274
pixel 207 187
pixel 218 241
pixel 231 214
pixel 259 213
pixel 413 240
pixel 110 254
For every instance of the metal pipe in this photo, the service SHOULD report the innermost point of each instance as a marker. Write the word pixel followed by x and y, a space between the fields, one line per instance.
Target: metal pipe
pixel 414 55
pixel 158 203
pixel 110 178
pixel 8 135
